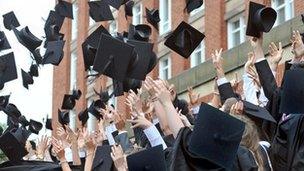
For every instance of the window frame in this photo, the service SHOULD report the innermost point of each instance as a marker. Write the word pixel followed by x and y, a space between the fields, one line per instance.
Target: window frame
pixel 111 30
pixel 231 32
pixel 162 23
pixel 162 67
pixel 288 6
pixel 196 11
pixel 201 49
pixel 139 14
pixel 74 25
pixel 73 70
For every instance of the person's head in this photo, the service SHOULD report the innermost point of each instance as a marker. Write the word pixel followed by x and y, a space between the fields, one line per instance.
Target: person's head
pixel 30 145
pixel 227 104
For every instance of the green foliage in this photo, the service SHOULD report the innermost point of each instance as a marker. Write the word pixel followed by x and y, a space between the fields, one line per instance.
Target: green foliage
pixel 3 158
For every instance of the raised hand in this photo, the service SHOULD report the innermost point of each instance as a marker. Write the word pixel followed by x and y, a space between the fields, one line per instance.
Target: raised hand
pixel 217 61
pixel 73 136
pixel 162 93
pixel 58 148
pixel 257 45
pixel 43 144
pixel 183 118
pixel 134 102
pixel 194 98
pixel 119 158
pixel 250 61
pixel 275 55
pixel 237 108
pixel 297 46
pixel 141 122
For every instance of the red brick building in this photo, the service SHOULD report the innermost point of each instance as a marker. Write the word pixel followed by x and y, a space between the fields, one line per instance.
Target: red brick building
pixel 222 21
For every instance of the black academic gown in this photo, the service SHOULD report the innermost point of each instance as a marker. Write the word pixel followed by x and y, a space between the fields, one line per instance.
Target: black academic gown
pixel 29 166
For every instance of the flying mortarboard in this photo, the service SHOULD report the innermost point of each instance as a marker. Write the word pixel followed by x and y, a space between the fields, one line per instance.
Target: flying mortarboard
pixel 12 143
pixel 104 97
pixel 260 19
pixel 102 159
pixel 23 121
pixel 94 37
pixel 140 32
pixel 94 107
pixel 37 56
pixel 83 116
pixel 10 20
pixel 63 117
pixel 48 124
pixel 113 57
pixel 35 126
pixel 125 86
pixel 216 136
pixel 54 19
pixel 12 110
pixel 26 79
pixel 4 101
pixel 54 52
pixel 150 159
pixel 115 3
pixel 69 100
pixel 193 4
pixel 8 70
pixel 153 17
pixel 292 97
pixel 64 8
pixel 34 70
pixel 184 39
pixel 129 8
pixel 100 11
pixel 27 39
pixel 4 44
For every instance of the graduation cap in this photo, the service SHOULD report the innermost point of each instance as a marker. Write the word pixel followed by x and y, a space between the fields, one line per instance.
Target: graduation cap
pixel 94 38
pixel 256 113
pixel 27 79
pixel 125 86
pixel 37 56
pixel 8 70
pixel 4 44
pixel 35 126
pixel 145 54
pixel 184 39
pixel 216 136
pixel 4 101
pixel 193 4
pixel 292 97
pixel 64 8
pixel 48 124
pixel 104 97
pixel 83 116
pixel 63 117
pixel 34 70
pixel 153 17
pixel 10 20
pixel 115 3
pixel 94 107
pixel 129 8
pixel 100 11
pixel 12 110
pixel 260 19
pixel 54 19
pixel 150 159
pixel 1 130
pixel 102 159
pixel 140 32
pixel 54 52
pixel 69 100
pixel 23 121
pixel 12 143
pixel 113 57
pixel 27 39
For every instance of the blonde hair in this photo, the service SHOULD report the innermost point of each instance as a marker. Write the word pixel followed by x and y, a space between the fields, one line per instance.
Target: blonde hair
pixel 251 139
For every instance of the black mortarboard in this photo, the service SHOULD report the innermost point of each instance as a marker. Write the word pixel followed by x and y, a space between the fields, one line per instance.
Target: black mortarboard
pixel 23 121
pixel 37 56
pixel 94 107
pixel 94 37
pixel 153 62
pixel 8 70
pixel 33 144
pixel 48 124
pixel 144 51
pixel 1 130
pixel 193 4
pixel 4 44
pixel 216 136
pixel 54 19
pixel 76 94
pixel 64 8
pixel 153 17
pixel 292 97
pixel 35 126
pixel 54 52
pixel 140 32
pixel 27 39
pixel 102 159
pixel 113 57
pixel 257 114
pixel 83 116
pixel 184 39
pixel 150 159
pixel 115 3
pixel 129 8
pixel 10 20
pixel 260 19
pixel 26 79
pixel 34 70
pixel 63 117
pixel 68 102
pixel 12 110
pixel 124 86
pixel 104 97
pixel 12 143
pixel 4 101
pixel 100 11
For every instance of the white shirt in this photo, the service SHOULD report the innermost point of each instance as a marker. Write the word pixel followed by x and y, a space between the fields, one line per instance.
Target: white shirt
pixel 250 92
pixel 154 137
pixel 109 130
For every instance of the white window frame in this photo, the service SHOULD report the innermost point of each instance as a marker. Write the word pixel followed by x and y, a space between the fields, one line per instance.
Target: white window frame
pixel 75 21
pixel 112 30
pixel 162 67
pixel 241 29
pixel 162 21
pixel 73 71
pixel 288 6
pixel 201 49
pixel 137 14
pixel 200 9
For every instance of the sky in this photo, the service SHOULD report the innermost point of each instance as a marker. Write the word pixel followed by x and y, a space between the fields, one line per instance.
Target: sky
pixel 36 102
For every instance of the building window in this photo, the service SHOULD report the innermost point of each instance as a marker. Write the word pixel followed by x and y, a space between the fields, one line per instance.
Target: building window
pixel 236 31
pixel 137 12
pixel 75 21
pixel 198 55
pixel 165 68
pixel 165 16
pixel 285 10
pixel 200 9
pixel 73 71
pixel 113 27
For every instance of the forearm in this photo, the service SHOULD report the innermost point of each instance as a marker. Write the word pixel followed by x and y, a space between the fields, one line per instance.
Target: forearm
pixel 174 122
pixel 64 164
pixel 159 111
pixel 89 160
pixel 75 153
pixel 216 100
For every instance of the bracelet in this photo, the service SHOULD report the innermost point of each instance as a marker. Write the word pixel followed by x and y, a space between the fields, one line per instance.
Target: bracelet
pixel 62 162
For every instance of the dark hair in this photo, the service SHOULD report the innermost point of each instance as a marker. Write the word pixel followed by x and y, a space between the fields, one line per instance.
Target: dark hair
pixel 54 158
pixel 33 144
